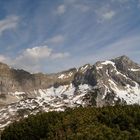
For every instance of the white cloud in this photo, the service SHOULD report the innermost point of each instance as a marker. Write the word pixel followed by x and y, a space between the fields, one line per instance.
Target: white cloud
pixel 41 52
pixel 61 9
pixel 108 15
pixel 9 22
pixel 56 40
pixel 105 13
pixel 32 59
pixel 37 52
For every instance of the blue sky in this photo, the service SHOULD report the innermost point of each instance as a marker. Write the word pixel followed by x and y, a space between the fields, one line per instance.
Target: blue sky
pixel 54 35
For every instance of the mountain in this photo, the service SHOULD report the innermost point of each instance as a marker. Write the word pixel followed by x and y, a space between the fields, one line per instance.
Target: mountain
pixel 111 82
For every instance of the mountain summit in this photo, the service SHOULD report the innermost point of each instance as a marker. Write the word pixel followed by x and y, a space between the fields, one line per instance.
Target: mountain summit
pixel 110 82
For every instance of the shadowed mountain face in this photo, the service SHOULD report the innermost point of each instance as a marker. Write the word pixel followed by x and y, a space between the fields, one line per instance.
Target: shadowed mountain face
pixel 13 80
pixel 116 81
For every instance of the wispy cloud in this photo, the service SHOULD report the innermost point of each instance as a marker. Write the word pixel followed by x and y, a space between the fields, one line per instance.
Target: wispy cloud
pixel 108 15
pixel 9 22
pixel 105 13
pixel 126 46
pixel 56 40
pixel 61 9
pixel 60 55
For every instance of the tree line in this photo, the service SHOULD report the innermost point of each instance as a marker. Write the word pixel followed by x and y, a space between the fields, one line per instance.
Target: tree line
pixel 90 123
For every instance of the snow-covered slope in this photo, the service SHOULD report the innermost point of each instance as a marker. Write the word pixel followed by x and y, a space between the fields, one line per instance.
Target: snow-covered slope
pixel 46 100
pixel 116 81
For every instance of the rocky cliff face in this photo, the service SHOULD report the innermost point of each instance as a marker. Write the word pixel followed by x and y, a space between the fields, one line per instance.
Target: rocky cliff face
pixel 116 81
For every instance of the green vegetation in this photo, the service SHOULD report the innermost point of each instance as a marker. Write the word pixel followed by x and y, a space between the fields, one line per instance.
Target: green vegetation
pixel 107 123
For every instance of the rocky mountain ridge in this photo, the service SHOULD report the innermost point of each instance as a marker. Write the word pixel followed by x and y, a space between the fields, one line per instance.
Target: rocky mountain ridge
pixel 111 82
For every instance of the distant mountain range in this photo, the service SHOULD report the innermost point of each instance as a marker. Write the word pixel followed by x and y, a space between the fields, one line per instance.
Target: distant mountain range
pixel 111 82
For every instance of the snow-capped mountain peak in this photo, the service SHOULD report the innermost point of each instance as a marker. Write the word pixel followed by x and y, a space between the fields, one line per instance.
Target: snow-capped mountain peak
pixel 110 82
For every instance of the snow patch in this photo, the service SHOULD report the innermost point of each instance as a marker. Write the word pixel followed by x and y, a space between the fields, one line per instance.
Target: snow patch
pixel 108 62
pixel 134 70
pixel 84 68
pixel 64 76
pixel 4 125
pixel 99 67
pixel 61 76
pixel 130 94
